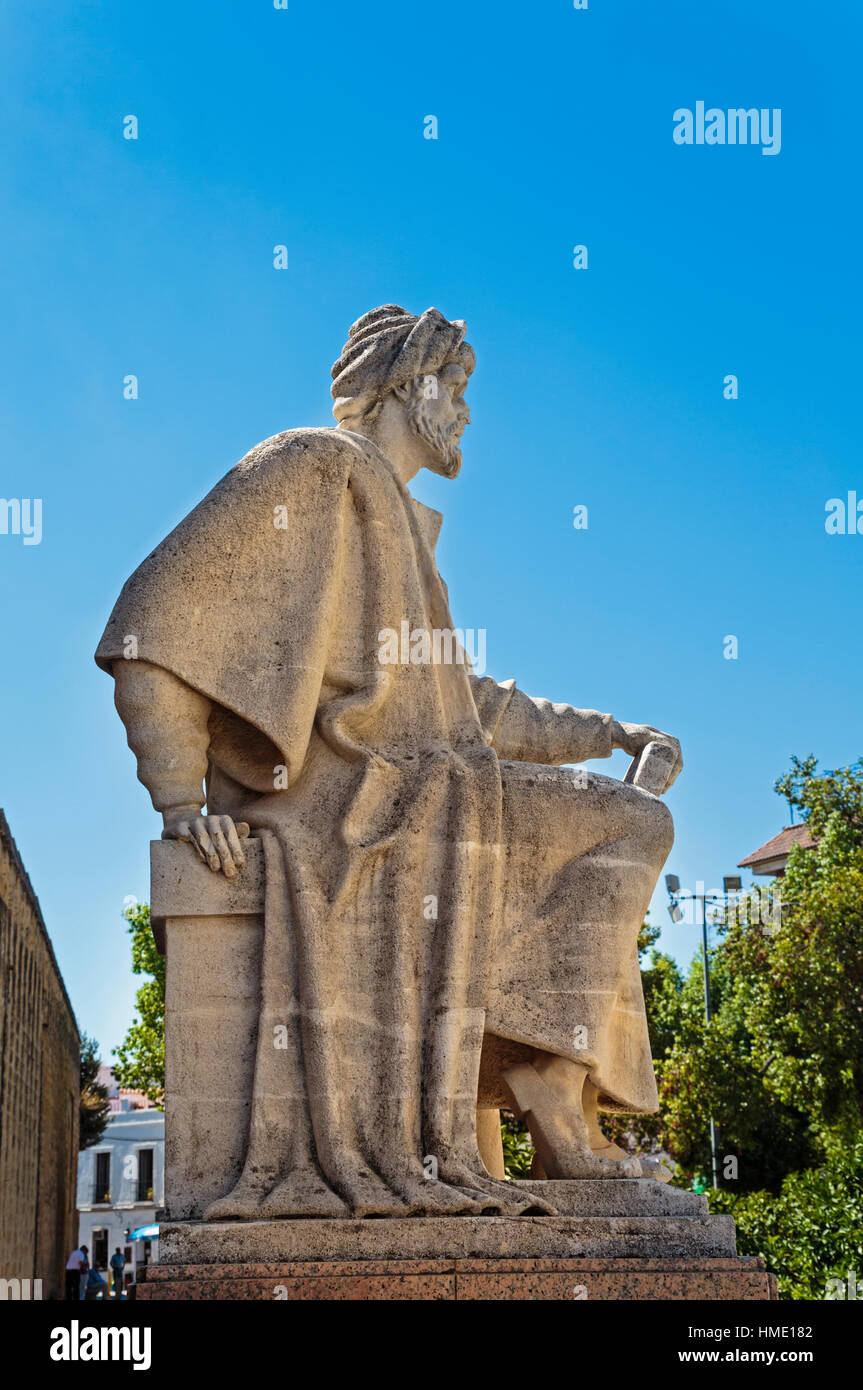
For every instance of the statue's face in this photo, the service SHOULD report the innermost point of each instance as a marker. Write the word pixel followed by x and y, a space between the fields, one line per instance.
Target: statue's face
pixel 438 413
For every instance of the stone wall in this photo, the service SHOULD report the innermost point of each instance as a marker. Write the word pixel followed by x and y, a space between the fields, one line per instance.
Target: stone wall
pixel 39 1083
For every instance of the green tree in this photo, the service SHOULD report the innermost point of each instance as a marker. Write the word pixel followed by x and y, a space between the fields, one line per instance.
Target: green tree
pixel 718 1071
pixel 808 1014
pixel 811 1233
pixel 780 1067
pixel 140 1058
pixel 94 1109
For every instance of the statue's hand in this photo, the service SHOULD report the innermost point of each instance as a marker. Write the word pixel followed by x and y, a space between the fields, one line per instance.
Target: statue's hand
pixel 216 839
pixel 632 738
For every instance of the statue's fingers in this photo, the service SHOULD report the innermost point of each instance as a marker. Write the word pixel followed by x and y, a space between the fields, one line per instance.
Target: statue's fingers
pixel 677 768
pixel 197 848
pixel 217 835
pixel 182 831
pixel 199 834
pixel 242 829
pixel 233 841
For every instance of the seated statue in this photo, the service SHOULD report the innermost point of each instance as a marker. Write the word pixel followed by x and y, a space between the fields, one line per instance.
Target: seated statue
pixel 451 915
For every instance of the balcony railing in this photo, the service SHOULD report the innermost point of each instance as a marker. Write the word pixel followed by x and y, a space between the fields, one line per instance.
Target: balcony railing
pixel 101 1195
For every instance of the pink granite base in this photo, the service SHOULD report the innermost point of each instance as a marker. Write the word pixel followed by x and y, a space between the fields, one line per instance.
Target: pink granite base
pixel 456 1280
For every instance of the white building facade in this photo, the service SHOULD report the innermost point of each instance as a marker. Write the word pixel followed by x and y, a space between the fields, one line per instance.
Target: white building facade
pixel 121 1185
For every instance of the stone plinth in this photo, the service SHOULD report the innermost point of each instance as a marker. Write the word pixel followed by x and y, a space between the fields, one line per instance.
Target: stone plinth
pixel 211 929
pixel 649 1242
pixel 451 1238
pixel 631 1280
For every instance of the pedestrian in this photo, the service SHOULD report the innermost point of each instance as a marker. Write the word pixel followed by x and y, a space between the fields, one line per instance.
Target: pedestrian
pixel 118 1264
pixel 95 1286
pixel 76 1265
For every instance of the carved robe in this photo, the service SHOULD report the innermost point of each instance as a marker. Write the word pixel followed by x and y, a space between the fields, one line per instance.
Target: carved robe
pixel 390 951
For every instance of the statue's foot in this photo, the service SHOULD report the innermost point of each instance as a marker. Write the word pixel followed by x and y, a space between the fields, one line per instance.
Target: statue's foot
pixel 655 1170
pixel 559 1131
pixel 650 1167
pixel 580 1163
pixel 606 1148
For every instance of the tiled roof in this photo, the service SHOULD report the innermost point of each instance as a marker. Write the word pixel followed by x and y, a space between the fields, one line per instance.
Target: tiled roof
pixel 779 846
pixel 117 1093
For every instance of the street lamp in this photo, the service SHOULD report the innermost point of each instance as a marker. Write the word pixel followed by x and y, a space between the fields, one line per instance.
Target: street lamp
pixel 730 885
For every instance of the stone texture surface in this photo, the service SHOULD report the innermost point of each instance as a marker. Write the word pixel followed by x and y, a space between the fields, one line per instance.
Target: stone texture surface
pixel 697 1280
pixel 39 1063
pixel 626 1197
pixel 212 1003
pixel 181 885
pixel 427 1237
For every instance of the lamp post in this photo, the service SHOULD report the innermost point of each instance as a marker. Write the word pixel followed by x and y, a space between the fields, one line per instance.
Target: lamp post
pixel 676 895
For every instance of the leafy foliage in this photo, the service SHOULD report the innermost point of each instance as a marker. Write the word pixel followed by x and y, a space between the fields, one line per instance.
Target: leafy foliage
pixel 140 1058
pixel 517 1146
pixel 811 1233
pixel 94 1108
pixel 780 1066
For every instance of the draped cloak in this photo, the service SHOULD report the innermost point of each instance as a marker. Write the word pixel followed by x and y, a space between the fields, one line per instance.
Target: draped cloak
pixel 269 599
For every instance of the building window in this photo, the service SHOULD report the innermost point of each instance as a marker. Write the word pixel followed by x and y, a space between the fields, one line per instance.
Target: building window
pixel 100 1249
pixel 145 1175
pixel 102 1182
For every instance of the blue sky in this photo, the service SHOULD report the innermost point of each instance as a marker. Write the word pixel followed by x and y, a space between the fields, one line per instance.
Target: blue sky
pixel 601 387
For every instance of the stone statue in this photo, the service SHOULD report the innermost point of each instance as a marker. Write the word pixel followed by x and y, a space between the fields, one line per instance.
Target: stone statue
pixel 451 915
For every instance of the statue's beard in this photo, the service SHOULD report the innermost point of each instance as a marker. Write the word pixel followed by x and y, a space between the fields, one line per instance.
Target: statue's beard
pixel 443 442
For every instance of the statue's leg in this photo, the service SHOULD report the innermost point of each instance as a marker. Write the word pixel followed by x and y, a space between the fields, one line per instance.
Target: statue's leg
pixel 599 1142
pixel 582 861
pixel 489 1142
pixel 549 1093
pixel 583 858
pixel 606 1148
pixel 577 1124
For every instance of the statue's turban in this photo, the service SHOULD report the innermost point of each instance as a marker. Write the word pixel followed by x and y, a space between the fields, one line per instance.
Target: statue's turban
pixel 388 347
